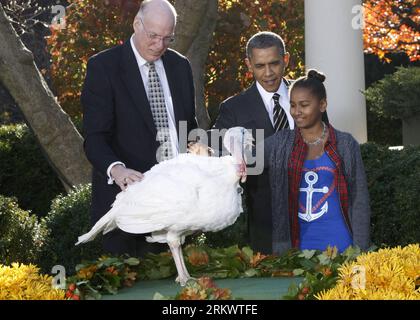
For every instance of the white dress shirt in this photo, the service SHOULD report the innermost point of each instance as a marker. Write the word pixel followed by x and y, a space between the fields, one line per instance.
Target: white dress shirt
pixel 144 72
pixel 284 101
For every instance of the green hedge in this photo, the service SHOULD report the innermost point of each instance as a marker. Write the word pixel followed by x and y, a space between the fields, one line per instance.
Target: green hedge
pixel 235 234
pixel 69 218
pixel 24 172
pixel 397 95
pixel 375 70
pixel 21 234
pixel 394 188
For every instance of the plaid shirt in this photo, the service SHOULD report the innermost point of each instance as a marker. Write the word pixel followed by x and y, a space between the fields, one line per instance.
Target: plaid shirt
pixel 295 166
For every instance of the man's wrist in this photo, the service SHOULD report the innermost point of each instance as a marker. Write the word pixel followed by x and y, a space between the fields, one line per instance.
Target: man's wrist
pixel 108 172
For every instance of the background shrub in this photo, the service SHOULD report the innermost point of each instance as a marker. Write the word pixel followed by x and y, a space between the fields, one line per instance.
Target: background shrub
pixel 235 234
pixel 69 218
pixel 24 172
pixel 397 95
pixel 394 188
pixel 375 70
pixel 21 234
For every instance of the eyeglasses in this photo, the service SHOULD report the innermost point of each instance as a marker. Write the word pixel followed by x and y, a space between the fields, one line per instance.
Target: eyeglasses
pixel 153 36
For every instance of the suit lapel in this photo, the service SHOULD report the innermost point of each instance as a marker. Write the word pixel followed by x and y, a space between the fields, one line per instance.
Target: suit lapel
pixel 132 79
pixel 175 86
pixel 257 109
pixel 287 82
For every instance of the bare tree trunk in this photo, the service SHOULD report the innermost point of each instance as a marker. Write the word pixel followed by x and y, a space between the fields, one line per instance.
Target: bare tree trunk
pixel 52 127
pixel 196 23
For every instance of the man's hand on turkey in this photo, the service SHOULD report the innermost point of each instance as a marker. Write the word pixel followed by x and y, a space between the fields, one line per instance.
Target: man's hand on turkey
pixel 199 149
pixel 124 176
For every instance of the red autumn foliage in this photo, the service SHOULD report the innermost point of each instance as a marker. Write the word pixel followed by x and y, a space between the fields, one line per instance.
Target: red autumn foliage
pixel 95 25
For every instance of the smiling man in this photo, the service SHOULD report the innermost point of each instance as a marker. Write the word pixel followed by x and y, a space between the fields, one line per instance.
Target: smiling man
pixel 134 98
pixel 265 105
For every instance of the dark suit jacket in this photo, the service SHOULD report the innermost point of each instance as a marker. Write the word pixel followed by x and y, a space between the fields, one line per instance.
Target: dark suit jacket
pixel 118 123
pixel 247 110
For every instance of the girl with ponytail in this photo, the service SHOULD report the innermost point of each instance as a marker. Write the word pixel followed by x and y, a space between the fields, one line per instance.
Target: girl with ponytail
pixel 319 190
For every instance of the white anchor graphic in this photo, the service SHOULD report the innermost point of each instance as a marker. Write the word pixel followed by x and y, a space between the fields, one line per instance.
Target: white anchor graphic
pixel 311 178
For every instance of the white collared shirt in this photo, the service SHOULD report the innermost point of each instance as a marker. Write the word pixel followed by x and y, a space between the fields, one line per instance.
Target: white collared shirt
pixel 144 72
pixel 267 98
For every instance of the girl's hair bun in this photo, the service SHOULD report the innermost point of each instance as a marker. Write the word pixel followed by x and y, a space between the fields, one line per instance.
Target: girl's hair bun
pixel 312 73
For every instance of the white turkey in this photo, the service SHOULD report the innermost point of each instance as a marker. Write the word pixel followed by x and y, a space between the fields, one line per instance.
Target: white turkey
pixel 180 196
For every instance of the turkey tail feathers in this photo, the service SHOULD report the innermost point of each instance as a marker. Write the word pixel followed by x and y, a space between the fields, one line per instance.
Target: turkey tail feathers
pixel 105 224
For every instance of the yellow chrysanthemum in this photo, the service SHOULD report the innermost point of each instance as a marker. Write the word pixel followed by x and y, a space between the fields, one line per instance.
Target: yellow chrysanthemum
pixel 23 282
pixel 382 275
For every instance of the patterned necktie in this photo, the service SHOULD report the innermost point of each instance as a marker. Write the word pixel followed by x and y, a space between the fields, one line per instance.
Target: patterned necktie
pixel 279 115
pixel 160 115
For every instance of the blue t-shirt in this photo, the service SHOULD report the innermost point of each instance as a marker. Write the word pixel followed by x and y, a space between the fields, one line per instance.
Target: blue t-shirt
pixel 321 219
